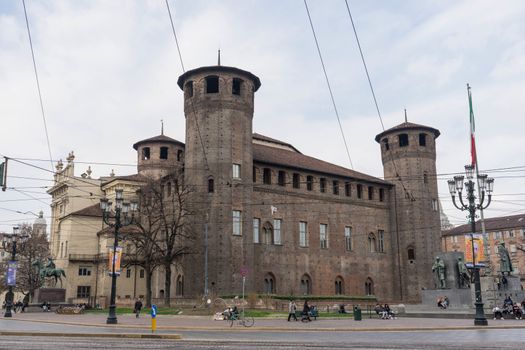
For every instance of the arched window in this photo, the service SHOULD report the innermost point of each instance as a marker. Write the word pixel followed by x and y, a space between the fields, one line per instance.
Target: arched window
pixel 411 253
pixel 372 243
pixel 179 286
pixel 306 285
pixel 269 283
pixel 369 286
pixel 339 285
pixel 212 84
pixel 403 140
pixel 211 185
pixel 267 233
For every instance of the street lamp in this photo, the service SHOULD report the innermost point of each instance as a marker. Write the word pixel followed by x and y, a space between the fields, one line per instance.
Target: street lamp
pixel 10 241
pixel 119 219
pixel 485 185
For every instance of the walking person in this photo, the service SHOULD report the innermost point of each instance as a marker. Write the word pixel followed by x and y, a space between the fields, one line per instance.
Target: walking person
pixel 291 310
pixel 306 312
pixel 138 307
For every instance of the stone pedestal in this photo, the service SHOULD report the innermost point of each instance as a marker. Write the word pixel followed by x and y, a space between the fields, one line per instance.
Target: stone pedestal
pixel 51 295
pixel 492 295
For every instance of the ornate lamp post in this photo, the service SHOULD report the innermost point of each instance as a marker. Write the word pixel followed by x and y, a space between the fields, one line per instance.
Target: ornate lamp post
pixel 123 216
pixel 10 241
pixel 485 185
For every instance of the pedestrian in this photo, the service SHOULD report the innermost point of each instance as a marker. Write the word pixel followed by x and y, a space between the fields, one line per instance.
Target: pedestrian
pixel 291 310
pixel 306 312
pixel 25 302
pixel 138 307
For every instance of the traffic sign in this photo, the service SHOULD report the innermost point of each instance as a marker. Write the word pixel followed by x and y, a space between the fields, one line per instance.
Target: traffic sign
pixel 244 271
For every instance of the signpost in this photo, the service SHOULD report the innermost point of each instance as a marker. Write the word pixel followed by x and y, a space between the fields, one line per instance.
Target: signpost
pixel 244 273
pixel 153 318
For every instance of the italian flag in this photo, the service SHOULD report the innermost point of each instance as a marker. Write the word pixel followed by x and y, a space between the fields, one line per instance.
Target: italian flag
pixel 472 130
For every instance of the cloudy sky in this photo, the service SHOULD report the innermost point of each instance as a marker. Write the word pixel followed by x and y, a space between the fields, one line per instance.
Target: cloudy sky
pixel 108 72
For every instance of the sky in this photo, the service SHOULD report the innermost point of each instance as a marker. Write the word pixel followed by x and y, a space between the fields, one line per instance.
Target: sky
pixel 108 73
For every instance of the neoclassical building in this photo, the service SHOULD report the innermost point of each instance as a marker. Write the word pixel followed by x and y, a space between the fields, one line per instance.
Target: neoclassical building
pixel 289 223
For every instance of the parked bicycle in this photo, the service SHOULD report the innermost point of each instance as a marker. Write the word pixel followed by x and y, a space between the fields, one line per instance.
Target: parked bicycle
pixel 241 319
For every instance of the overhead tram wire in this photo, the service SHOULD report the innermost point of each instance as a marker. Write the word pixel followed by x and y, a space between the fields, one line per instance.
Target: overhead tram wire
pixel 38 85
pixel 191 101
pixel 328 84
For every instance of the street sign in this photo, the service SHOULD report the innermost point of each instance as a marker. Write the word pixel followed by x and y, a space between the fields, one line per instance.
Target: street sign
pixel 153 318
pixel 153 311
pixel 244 271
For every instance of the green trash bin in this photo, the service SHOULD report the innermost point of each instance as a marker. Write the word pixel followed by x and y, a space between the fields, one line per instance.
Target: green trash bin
pixel 357 313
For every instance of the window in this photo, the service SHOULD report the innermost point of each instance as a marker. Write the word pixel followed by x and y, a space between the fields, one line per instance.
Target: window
pixel 348 238
pixel 189 88
pixel 370 192
pixel 179 155
pixel 306 285
pixel 335 187
pixel 254 174
pixel 236 86
pixel 323 235
pixel 381 194
pixel 425 177
pixel 269 283
pixel 236 214
pixel 212 84
pixel 422 139
pixel 84 271
pixel 303 234
pixel 168 189
pixel 309 182
pixel 339 284
pixel 369 286
pixel 372 243
pixel 296 180
pixel 455 239
pixel 359 191
pixel 511 233
pixel 277 231
pixel 62 249
pixel 141 273
pixel 385 142
pixel 435 206
pixel 256 230
pixel 145 153
pixel 322 185
pixel 236 171
pixel 348 189
pixel 65 251
pixel 381 240
pixel 267 176
pixel 411 253
pixel 403 140
pixel 211 185
pixel 128 273
pixel 83 291
pixel 281 178
pixel 164 153
pixel 179 286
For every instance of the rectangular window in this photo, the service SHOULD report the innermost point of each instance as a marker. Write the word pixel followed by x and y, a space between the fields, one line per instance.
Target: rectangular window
pixel 381 194
pixel 370 192
pixel 236 171
pixel 296 180
pixel 435 205
pixel 236 215
pixel 359 191
pixel 309 183
pixel 348 238
pixel 323 235
pixel 455 239
pixel 83 291
pixel 511 233
pixel 128 273
pixel 84 271
pixel 236 86
pixel 267 176
pixel 164 153
pixel 212 84
pixel 322 185
pixel 277 231
pixel 348 189
pixel 145 153
pixel 141 273
pixel 254 175
pixel 335 187
pixel 303 234
pixel 423 139
pixel 281 179
pixel 381 237
pixel 189 88
pixel 256 230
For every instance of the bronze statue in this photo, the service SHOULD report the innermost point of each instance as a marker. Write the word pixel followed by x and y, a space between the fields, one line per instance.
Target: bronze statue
pixel 49 270
pixel 463 274
pixel 504 258
pixel 439 271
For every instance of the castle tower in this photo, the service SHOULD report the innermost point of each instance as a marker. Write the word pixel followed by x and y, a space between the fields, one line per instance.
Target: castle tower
pixel 40 224
pixel 218 105
pixel 408 152
pixel 158 156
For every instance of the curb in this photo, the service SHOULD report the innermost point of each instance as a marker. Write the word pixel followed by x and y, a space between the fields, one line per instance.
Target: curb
pixel 89 335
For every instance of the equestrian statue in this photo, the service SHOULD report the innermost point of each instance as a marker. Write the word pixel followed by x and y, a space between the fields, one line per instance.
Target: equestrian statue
pixel 49 270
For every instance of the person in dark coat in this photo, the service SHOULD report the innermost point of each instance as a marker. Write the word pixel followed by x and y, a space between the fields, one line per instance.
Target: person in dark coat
pixel 138 307
pixel 306 311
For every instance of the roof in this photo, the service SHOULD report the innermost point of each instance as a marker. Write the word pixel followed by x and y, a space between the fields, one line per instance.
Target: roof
pixel 289 159
pixel 214 69
pixel 275 141
pixel 92 210
pixel 492 224
pixel 133 177
pixel 407 126
pixel 158 139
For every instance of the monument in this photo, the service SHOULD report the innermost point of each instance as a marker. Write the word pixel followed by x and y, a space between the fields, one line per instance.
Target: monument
pixel 49 277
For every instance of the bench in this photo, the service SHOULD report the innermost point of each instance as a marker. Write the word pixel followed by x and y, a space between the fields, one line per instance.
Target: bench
pixel 313 313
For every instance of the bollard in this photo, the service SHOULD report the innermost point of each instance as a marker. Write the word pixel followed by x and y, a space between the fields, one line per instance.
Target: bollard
pixel 153 318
